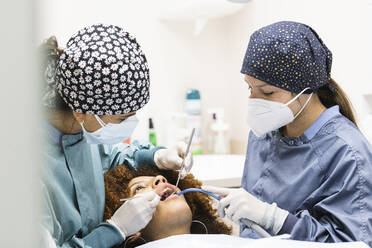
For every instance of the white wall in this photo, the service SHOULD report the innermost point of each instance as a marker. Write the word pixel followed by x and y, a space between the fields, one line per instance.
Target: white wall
pixel 19 125
pixel 211 61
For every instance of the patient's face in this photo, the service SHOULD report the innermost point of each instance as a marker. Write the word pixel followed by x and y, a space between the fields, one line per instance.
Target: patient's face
pixel 172 211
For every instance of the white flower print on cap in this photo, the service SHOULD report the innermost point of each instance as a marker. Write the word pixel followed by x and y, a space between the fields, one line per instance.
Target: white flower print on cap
pixel 97 62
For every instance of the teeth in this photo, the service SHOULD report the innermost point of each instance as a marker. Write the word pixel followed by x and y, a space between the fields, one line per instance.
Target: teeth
pixel 166 193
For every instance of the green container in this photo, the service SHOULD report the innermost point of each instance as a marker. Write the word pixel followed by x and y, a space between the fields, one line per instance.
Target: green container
pixel 152 134
pixel 152 137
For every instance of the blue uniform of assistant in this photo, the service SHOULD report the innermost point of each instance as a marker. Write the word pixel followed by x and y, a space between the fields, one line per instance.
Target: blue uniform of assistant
pixel 73 191
pixel 323 178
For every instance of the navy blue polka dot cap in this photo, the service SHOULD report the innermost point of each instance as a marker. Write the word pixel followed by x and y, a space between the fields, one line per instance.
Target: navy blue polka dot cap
pixel 288 55
pixel 103 71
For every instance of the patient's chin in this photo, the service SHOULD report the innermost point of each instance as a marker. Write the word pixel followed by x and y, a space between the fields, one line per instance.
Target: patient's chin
pixel 173 209
pixel 171 215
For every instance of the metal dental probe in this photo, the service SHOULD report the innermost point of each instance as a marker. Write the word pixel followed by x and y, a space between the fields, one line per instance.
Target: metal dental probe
pixel 187 152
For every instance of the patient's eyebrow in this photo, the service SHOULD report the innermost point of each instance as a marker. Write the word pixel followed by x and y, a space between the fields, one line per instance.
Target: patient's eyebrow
pixel 134 184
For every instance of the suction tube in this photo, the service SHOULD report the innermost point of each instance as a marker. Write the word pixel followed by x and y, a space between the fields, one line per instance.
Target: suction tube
pixel 247 222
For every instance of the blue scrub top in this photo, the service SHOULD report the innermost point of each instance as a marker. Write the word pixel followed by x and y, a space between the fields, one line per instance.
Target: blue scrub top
pixel 73 191
pixel 323 178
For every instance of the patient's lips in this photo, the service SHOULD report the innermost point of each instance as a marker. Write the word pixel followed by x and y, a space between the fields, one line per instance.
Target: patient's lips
pixel 165 191
pixel 171 196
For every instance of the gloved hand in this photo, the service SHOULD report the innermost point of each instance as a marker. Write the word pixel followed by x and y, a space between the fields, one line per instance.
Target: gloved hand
pixel 171 158
pixel 238 204
pixel 135 214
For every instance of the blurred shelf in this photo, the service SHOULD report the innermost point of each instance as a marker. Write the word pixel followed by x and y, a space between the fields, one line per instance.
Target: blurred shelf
pixel 219 170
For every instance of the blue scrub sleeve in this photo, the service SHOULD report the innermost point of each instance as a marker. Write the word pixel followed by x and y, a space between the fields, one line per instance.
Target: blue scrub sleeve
pixel 325 219
pixel 104 236
pixel 133 155
pixel 288 224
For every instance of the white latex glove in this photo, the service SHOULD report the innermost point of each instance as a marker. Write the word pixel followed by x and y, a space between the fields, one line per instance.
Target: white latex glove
pixel 171 158
pixel 238 204
pixel 135 214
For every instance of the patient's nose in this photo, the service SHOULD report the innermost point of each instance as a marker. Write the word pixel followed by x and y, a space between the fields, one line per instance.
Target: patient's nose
pixel 159 180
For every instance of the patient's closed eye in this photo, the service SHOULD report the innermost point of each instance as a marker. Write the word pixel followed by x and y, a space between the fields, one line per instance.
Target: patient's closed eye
pixel 268 93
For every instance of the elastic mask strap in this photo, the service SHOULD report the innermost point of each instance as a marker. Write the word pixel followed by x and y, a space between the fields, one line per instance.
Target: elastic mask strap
pixel 82 125
pixel 298 95
pixel 307 101
pixel 100 121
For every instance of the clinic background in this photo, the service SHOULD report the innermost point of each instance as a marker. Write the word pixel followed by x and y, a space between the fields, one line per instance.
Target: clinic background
pixel 210 61
pixel 178 60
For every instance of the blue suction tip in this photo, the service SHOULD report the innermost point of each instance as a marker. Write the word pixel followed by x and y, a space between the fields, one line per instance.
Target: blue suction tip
pixel 201 191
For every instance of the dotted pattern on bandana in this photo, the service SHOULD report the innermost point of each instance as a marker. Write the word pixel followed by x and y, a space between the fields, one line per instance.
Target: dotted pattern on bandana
pixel 103 71
pixel 288 55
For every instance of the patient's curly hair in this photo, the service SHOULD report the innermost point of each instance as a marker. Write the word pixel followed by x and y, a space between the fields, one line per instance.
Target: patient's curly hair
pixel 116 186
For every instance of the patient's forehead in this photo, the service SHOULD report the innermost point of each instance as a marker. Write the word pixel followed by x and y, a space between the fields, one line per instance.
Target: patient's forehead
pixel 145 179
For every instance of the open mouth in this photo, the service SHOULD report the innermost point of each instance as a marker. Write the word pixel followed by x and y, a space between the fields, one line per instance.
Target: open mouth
pixel 167 192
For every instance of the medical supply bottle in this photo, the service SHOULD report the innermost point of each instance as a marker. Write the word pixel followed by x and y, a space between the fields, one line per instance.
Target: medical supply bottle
pixel 220 131
pixel 194 120
pixel 209 140
pixel 152 134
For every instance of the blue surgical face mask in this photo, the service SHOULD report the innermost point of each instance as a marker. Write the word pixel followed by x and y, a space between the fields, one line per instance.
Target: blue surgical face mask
pixel 111 133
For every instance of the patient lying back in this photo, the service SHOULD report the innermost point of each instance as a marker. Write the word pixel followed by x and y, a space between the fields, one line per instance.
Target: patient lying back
pixel 185 214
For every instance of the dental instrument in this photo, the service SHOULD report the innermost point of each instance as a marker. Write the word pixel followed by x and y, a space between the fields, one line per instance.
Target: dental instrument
pixel 135 196
pixel 245 221
pixel 187 152
pixel 128 198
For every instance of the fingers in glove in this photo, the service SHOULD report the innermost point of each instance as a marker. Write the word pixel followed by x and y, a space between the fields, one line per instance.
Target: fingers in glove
pixel 177 162
pixel 149 196
pixel 181 149
pixel 233 208
pixel 183 174
pixel 228 212
pixel 221 211
pixel 147 216
pixel 236 215
pixel 155 202
pixel 233 215
pixel 188 162
pixel 217 190
pixel 223 203
pixel 235 218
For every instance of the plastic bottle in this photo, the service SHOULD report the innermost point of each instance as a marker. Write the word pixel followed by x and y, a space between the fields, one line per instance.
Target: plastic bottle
pixel 193 102
pixel 220 130
pixel 152 134
pixel 212 118
pixel 193 110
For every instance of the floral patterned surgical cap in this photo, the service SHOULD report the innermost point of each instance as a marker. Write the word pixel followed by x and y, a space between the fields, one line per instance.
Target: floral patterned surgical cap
pixel 288 55
pixel 103 71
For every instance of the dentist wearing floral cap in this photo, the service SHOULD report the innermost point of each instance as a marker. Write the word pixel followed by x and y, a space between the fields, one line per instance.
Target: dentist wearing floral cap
pixel 308 168
pixel 93 89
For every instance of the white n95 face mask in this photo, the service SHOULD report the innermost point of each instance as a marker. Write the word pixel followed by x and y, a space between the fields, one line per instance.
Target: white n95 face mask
pixel 111 133
pixel 265 116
